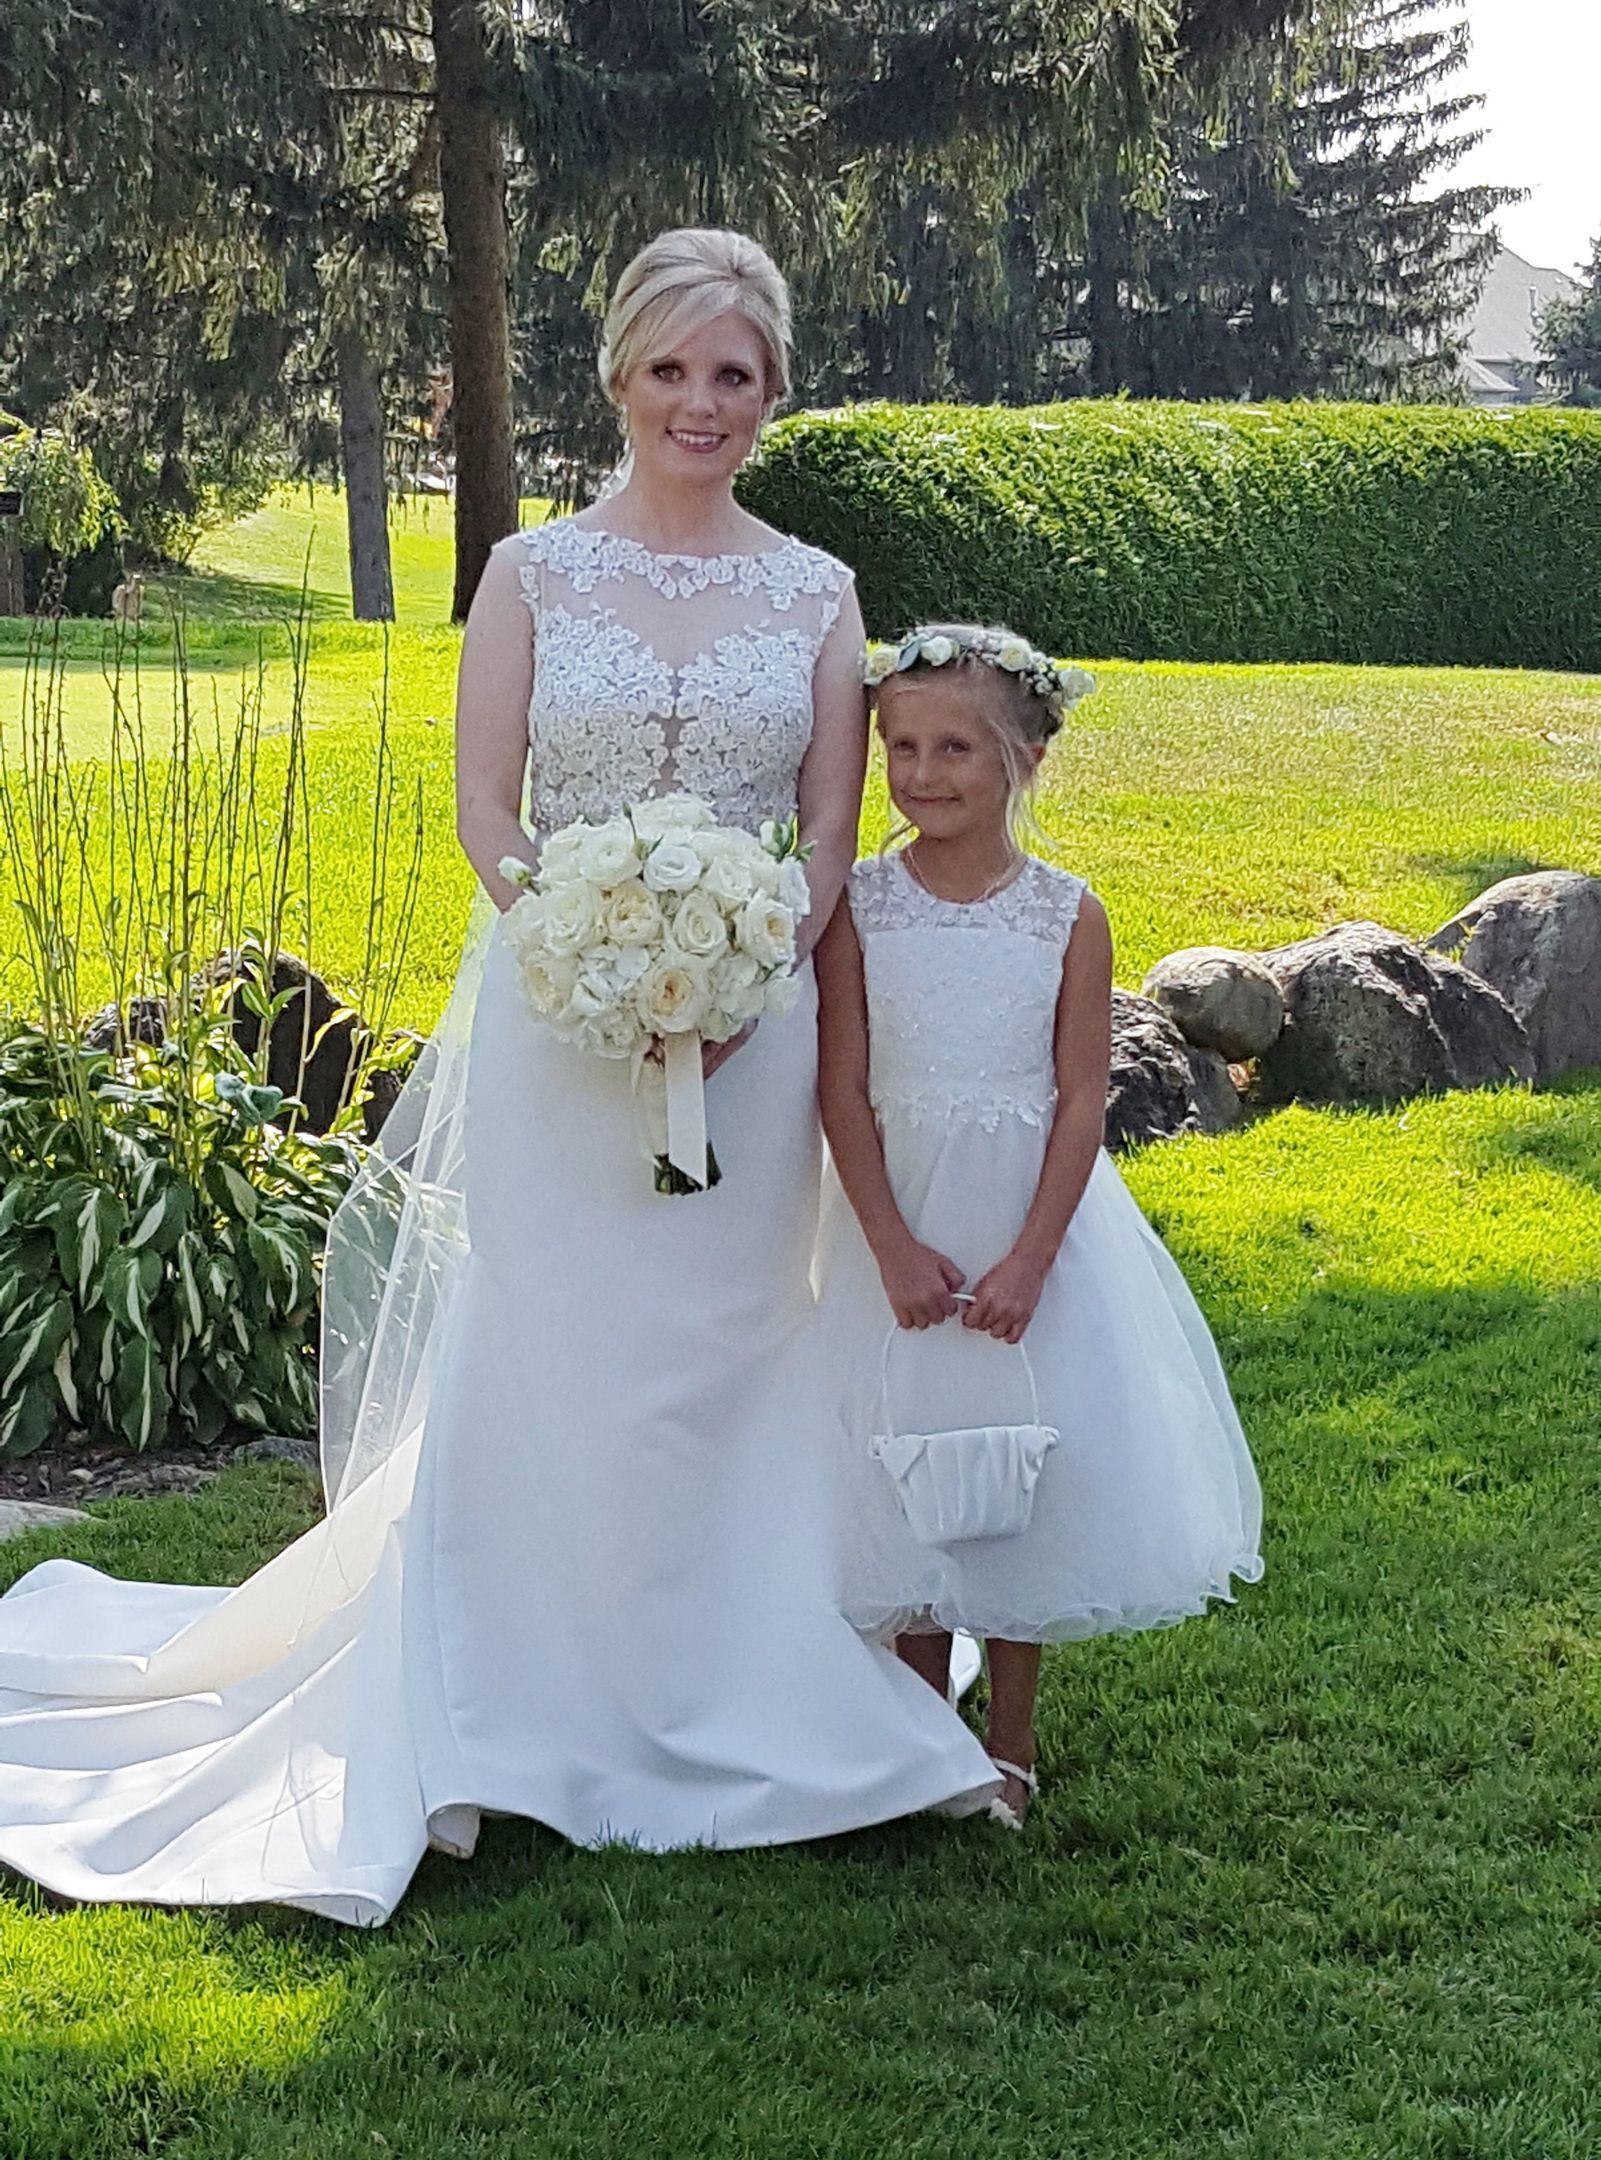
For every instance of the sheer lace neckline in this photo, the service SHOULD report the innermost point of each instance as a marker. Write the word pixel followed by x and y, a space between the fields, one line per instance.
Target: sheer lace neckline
pixel 629 545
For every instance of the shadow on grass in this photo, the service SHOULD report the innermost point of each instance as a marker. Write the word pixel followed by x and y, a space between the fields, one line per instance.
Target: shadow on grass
pixel 218 596
pixel 1476 875
pixel 1569 1151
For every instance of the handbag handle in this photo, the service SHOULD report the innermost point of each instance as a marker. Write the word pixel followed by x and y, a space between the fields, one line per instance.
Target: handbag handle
pixel 962 1297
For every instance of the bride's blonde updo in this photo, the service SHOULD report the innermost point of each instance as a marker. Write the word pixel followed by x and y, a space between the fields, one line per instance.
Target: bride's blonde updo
pixel 682 279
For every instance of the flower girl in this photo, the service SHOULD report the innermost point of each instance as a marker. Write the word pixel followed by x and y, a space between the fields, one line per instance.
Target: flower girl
pixel 1052 1451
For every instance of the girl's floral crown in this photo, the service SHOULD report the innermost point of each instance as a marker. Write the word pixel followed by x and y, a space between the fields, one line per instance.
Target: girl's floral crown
pixel 1059 687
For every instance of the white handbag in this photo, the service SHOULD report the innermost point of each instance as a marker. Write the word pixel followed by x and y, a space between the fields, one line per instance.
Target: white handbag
pixel 974 1481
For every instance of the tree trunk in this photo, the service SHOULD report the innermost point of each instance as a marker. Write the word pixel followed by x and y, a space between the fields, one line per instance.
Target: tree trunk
pixel 472 182
pixel 361 452
pixel 12 600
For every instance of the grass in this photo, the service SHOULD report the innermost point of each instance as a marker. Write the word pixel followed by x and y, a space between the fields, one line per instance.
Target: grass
pixel 1313 1879
pixel 298 538
pixel 1228 805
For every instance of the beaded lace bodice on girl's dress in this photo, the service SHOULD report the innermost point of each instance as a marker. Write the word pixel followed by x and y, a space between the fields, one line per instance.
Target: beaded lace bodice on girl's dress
pixel 656 673
pixel 962 997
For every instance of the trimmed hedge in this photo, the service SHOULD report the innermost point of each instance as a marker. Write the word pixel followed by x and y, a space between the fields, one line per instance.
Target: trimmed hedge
pixel 1104 528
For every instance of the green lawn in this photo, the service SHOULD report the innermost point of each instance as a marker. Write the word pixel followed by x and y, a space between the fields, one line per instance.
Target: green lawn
pixel 1313 1879
pixel 1231 805
pixel 298 539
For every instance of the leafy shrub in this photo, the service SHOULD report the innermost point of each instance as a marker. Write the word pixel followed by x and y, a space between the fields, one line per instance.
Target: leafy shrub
pixel 66 506
pixel 1358 533
pixel 160 1234
pixel 158 1241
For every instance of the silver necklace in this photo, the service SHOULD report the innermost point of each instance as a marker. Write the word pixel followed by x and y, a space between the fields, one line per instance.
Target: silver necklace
pixel 989 892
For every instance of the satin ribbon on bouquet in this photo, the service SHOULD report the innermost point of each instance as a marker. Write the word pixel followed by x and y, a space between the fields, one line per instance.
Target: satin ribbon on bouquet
pixel 670 1095
pixel 686 1107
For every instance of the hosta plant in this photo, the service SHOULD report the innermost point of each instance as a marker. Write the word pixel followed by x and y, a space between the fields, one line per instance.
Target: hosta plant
pixel 159 1241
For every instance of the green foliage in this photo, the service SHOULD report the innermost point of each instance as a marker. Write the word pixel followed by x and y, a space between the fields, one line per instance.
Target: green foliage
pixel 166 524
pixel 1284 532
pixel 66 506
pixel 159 1239
pixel 1570 337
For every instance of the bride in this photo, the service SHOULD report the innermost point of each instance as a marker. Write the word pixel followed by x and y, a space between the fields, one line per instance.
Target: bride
pixel 574 1564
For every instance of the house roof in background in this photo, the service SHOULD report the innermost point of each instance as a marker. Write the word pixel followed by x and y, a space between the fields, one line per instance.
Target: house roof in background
pixel 1502 326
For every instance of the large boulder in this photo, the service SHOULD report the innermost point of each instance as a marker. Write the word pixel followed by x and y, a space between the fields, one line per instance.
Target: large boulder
pixel 19 1516
pixel 310 1052
pixel 145 1021
pixel 1537 940
pixel 1220 1000
pixel 1160 1084
pixel 1368 1015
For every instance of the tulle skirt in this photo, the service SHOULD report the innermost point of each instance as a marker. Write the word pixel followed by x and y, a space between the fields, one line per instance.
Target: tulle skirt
pixel 1148 1507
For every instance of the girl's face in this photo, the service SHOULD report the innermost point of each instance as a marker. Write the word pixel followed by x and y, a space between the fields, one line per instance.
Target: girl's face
pixel 693 413
pixel 947 770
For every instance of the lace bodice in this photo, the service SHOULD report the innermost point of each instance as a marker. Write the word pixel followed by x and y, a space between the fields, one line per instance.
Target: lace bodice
pixel 654 673
pixel 962 997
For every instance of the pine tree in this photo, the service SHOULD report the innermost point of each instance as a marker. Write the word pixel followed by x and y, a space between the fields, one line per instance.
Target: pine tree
pixel 1299 251
pixel 1570 337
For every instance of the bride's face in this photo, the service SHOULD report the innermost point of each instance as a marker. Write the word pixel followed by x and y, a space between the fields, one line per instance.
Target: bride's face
pixel 693 413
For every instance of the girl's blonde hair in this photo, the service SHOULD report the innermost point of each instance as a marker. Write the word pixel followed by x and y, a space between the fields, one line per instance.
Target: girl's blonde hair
pixel 682 279
pixel 1020 714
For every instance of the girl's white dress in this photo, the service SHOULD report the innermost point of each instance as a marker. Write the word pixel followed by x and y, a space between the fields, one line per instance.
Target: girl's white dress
pixel 592 1584
pixel 1149 1504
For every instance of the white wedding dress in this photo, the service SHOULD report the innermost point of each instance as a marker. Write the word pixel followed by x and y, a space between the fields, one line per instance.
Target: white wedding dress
pixel 583 1573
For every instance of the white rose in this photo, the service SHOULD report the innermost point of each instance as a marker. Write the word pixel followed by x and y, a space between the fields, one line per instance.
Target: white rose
pixel 523 924
pixel 938 651
pixel 793 890
pixel 633 915
pixel 1074 683
pixel 879 665
pixel 731 879
pixel 672 997
pixel 612 1034
pixel 571 916
pixel 766 930
pixel 717 842
pixel 663 814
pixel 672 866
pixel 1015 654
pixel 547 984
pixel 606 855
pixel 558 855
pixel 698 926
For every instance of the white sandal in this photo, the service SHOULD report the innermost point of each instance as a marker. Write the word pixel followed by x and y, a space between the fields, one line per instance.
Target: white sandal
pixel 999 1810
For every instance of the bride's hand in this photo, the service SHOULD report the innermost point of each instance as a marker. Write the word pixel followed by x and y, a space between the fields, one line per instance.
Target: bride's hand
pixel 714 1054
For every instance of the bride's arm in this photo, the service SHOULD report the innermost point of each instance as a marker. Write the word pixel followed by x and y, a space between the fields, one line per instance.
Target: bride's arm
pixel 830 788
pixel 493 686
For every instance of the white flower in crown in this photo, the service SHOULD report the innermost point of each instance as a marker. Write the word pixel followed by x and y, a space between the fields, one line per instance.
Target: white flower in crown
pixel 1016 655
pixel 938 651
pixel 880 664
pixel 1073 683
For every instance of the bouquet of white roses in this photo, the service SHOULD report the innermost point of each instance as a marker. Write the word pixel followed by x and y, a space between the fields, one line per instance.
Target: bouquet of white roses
pixel 655 931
